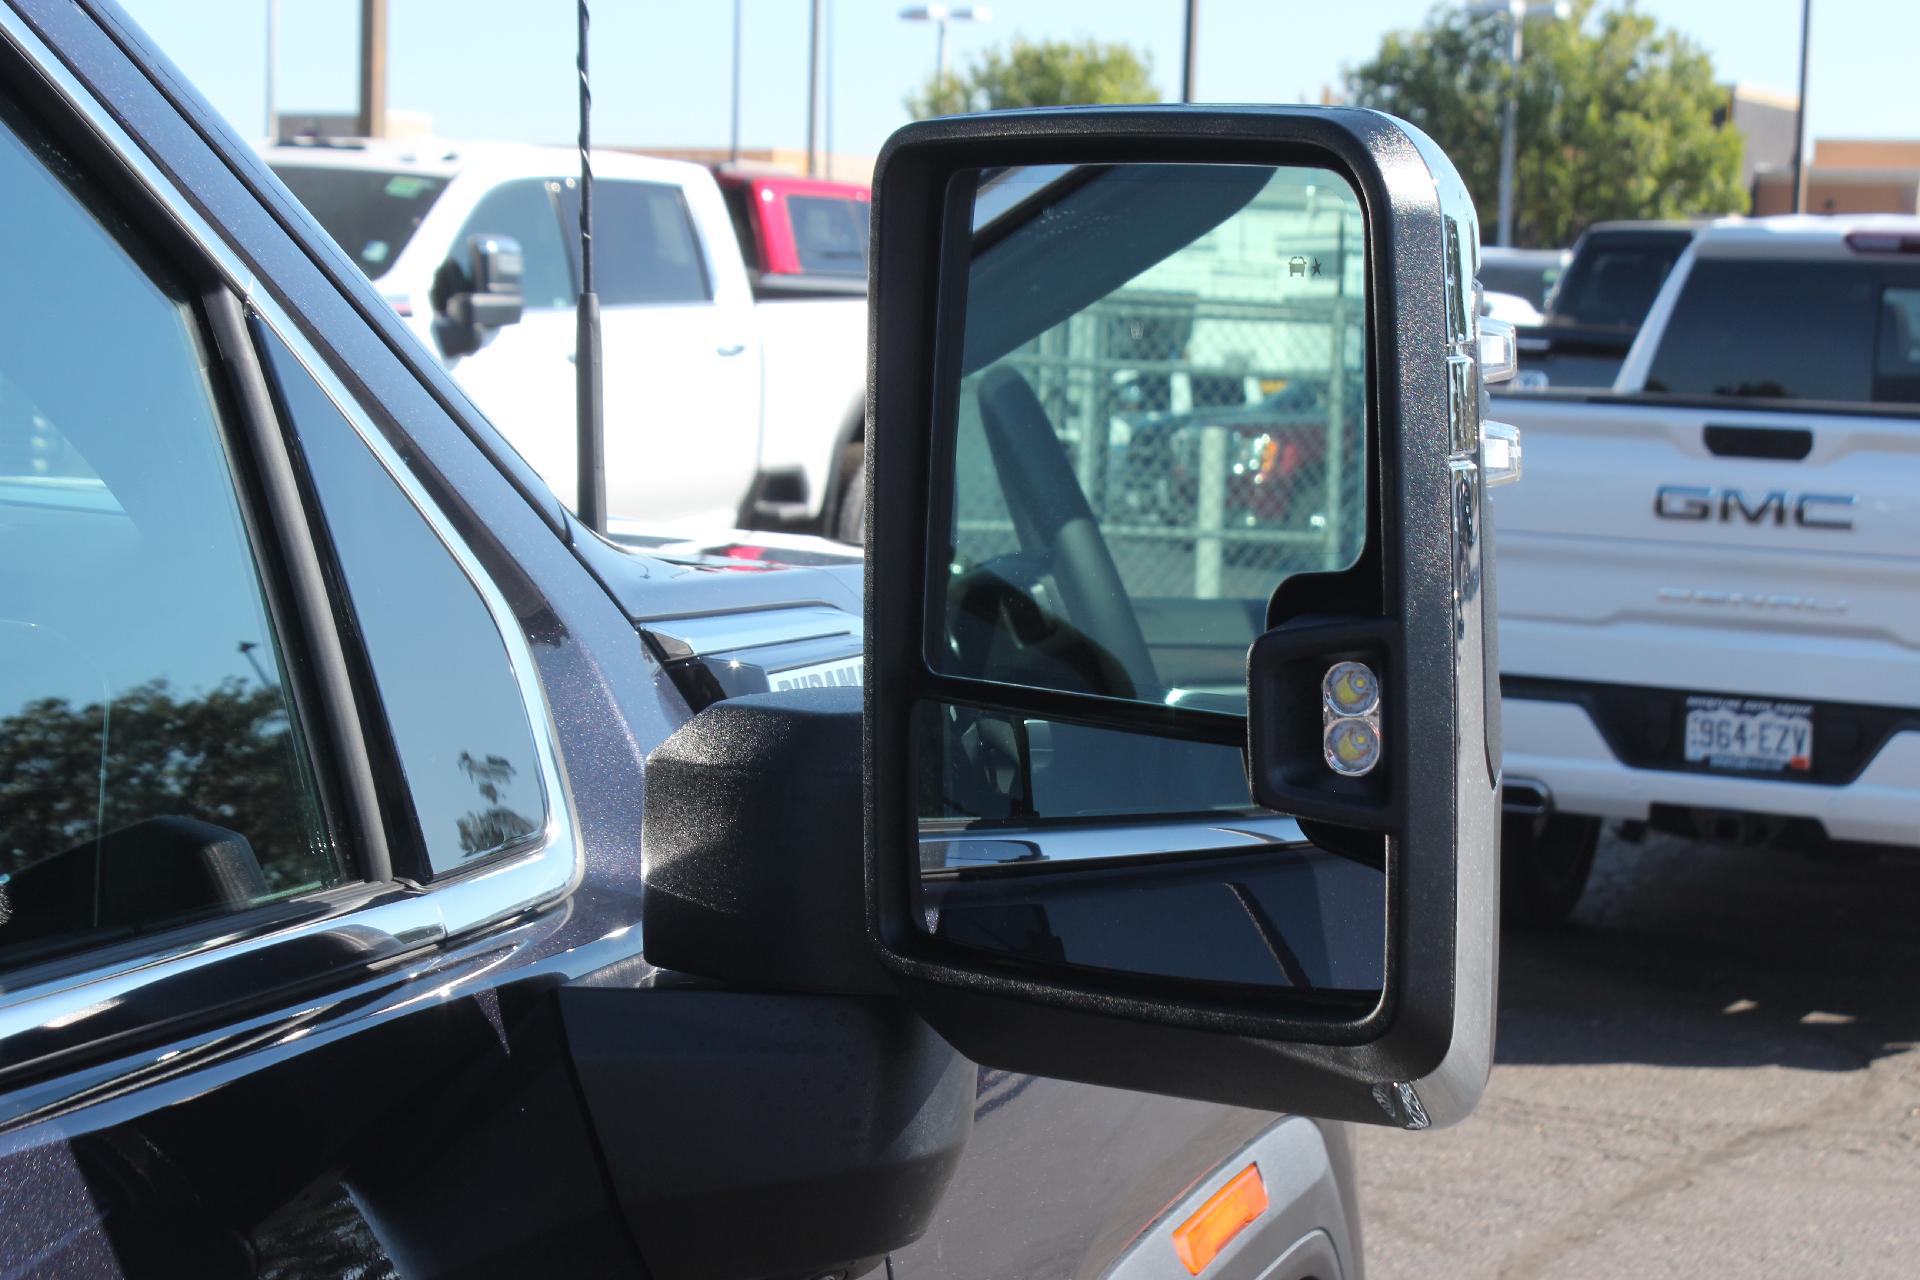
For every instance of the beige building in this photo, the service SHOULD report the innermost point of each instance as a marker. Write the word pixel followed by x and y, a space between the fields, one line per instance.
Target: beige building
pixel 1849 175
pixel 402 126
pixel 1765 119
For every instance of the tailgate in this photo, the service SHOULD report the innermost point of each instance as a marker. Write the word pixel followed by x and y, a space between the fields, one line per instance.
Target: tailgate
pixel 1747 551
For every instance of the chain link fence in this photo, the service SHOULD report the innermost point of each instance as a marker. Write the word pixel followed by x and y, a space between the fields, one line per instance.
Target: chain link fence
pixel 1220 442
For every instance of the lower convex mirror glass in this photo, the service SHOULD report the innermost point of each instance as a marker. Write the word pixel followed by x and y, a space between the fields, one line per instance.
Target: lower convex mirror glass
pixel 1069 846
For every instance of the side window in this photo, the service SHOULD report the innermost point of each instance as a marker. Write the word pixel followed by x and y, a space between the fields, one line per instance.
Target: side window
pixel 1711 348
pixel 648 249
pixel 1619 285
pixel 446 686
pixel 152 766
pixel 1896 364
pixel 830 234
pixel 525 210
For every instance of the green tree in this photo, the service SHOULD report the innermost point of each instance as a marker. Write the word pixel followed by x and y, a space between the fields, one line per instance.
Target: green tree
pixel 1046 73
pixel 1618 117
pixel 496 825
pixel 70 774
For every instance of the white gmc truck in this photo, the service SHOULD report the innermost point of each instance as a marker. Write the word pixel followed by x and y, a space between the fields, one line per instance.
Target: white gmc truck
pixel 721 409
pixel 1710 581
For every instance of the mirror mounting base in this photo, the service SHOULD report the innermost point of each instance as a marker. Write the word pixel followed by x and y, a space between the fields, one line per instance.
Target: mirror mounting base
pixel 752 853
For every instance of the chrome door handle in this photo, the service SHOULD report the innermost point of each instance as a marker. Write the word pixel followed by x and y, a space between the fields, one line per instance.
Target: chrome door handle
pixel 731 348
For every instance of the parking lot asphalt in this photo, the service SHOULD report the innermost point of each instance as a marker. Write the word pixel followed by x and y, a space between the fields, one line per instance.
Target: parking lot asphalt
pixel 1711 1071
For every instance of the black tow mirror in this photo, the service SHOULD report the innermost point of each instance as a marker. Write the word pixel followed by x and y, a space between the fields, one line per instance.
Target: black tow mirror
pixel 1181 704
pixel 480 294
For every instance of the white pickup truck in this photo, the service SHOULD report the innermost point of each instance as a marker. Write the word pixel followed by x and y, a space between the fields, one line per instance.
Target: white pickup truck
pixel 720 409
pixel 1710 581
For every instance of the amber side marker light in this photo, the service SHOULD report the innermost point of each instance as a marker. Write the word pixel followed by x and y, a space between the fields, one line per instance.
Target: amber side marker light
pixel 1225 1215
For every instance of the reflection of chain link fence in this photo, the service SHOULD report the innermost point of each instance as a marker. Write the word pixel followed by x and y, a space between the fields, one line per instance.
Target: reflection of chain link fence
pixel 1219 443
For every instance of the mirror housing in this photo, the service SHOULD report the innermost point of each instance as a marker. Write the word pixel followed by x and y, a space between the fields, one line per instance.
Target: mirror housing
pixel 480 295
pixel 1416 606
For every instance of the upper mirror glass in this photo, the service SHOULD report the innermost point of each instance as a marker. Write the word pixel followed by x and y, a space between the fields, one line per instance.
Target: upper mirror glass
pixel 1161 415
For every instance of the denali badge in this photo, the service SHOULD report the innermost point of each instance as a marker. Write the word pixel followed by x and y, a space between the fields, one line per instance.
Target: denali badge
pixel 1809 510
pixel 1762 600
pixel 821 675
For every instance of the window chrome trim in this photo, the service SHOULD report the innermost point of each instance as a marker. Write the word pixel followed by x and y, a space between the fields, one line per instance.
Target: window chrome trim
pixel 492 891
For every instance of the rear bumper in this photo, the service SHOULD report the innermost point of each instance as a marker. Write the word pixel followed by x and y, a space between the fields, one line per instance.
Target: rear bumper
pixel 1558 744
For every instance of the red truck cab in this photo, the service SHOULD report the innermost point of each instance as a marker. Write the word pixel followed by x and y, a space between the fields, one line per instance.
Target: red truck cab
pixel 798 234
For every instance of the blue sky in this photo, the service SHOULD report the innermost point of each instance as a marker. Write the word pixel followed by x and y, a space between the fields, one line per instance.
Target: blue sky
pixel 504 68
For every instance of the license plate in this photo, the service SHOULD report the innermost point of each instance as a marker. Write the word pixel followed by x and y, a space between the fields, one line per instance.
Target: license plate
pixel 1749 734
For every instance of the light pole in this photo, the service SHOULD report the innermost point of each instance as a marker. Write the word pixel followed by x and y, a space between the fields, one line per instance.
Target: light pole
pixel 733 131
pixel 819 87
pixel 826 92
pixel 273 62
pixel 1517 12
pixel 1800 114
pixel 940 15
pixel 1187 50
pixel 373 69
pixel 813 92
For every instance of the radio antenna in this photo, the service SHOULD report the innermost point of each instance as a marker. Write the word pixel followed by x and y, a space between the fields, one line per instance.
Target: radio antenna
pixel 589 429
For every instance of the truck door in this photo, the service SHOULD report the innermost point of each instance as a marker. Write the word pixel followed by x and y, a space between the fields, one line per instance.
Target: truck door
pixel 682 381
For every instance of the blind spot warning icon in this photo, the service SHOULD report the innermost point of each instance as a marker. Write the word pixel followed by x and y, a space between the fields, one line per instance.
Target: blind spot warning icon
pixel 1297 267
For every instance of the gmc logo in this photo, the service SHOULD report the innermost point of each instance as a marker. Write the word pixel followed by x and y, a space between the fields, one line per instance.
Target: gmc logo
pixel 1808 510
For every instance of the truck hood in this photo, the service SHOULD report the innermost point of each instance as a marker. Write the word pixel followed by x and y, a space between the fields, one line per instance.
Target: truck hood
pixel 735 612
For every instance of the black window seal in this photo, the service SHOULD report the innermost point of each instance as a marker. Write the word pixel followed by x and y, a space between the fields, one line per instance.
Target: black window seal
pixel 327 697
